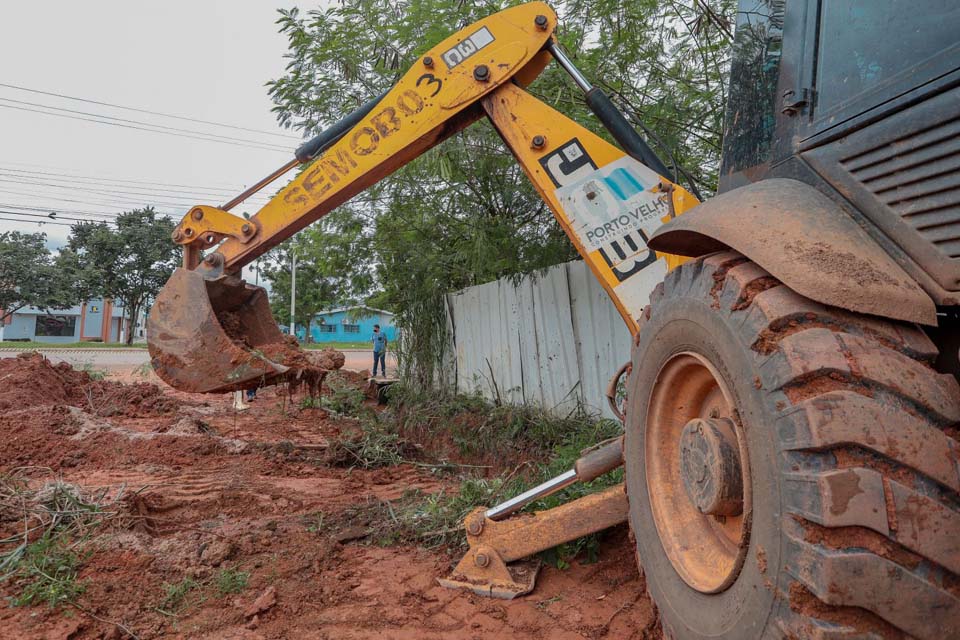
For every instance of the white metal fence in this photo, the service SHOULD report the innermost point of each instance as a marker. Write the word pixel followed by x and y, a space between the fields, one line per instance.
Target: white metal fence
pixel 554 338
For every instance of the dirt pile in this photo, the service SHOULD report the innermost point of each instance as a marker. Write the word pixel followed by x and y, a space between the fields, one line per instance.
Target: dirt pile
pixel 329 359
pixel 30 380
pixel 284 350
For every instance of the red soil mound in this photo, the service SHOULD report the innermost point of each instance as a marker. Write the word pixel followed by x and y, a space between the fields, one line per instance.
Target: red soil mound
pixel 30 380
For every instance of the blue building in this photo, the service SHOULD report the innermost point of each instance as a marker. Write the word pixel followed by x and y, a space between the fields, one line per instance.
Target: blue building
pixel 349 324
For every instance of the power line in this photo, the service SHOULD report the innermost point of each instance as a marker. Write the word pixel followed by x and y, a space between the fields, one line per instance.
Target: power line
pixel 146 124
pixel 128 126
pixel 115 203
pixel 117 197
pixel 55 217
pixel 195 189
pixel 184 201
pixel 147 111
pixel 67 170
pixel 39 222
pixel 80 212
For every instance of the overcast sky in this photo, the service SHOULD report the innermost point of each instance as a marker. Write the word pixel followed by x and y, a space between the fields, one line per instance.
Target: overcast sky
pixel 202 59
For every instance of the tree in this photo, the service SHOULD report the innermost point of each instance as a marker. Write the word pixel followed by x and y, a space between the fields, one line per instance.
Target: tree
pixel 28 275
pixel 331 261
pixel 129 263
pixel 463 213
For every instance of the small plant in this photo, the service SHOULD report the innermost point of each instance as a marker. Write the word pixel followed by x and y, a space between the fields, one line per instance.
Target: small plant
pixel 311 402
pixel 95 374
pixel 343 398
pixel 229 581
pixel 437 519
pixel 176 595
pixel 144 370
pixel 47 572
pixel 314 522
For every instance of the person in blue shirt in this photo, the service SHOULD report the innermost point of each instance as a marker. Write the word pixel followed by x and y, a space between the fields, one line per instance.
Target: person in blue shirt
pixel 379 351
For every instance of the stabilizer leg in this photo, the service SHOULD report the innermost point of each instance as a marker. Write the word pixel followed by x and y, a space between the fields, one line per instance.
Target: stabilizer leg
pixel 493 544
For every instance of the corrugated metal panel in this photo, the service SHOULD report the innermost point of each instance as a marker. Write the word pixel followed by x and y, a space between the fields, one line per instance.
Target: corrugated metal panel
pixel 602 337
pixel 554 339
pixel 482 324
pixel 557 370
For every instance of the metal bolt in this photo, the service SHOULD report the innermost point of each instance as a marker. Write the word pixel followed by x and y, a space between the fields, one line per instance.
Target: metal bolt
pixel 475 526
pixel 213 259
pixel 177 235
pixel 591 195
pixel 538 142
pixel 188 232
pixel 541 22
pixel 246 228
pixel 481 559
pixel 197 214
pixel 481 73
pixel 428 62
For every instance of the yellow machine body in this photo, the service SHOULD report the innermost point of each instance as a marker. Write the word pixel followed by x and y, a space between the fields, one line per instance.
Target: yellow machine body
pixel 607 202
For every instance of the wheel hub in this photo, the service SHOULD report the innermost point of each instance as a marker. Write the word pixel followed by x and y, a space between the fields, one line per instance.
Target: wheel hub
pixel 710 466
pixel 697 472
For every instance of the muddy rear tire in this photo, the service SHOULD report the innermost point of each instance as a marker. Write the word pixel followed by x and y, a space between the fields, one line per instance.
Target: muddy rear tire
pixel 849 523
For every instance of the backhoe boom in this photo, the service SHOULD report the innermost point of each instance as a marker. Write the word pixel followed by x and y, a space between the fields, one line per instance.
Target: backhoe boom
pixel 202 334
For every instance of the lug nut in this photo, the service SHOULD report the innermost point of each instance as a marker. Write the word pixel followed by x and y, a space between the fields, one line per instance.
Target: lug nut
pixel 541 22
pixel 481 559
pixel 428 62
pixel 481 73
pixel 538 142
pixel 197 214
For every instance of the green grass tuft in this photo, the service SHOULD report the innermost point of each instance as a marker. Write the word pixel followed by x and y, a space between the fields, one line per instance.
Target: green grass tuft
pixel 94 373
pixel 178 595
pixel 229 581
pixel 43 561
pixel 47 572
pixel 371 448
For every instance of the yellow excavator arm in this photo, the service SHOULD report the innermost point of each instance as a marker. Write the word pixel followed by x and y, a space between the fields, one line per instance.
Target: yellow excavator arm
pixel 209 331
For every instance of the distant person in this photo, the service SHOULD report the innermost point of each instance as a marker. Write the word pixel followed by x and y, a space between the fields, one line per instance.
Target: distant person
pixel 251 394
pixel 379 351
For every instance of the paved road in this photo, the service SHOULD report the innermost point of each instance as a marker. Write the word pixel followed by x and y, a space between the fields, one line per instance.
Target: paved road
pixel 132 359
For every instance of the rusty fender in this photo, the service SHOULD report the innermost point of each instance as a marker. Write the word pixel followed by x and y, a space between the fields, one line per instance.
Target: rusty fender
pixel 806 241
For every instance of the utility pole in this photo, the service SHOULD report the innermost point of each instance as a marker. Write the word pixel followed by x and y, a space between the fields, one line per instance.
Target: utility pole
pixel 293 292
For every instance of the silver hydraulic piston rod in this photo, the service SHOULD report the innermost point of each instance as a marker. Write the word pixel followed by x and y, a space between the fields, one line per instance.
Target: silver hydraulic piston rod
pixel 592 464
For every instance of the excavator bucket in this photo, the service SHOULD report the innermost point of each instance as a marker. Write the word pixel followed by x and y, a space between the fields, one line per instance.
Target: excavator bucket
pixel 217 335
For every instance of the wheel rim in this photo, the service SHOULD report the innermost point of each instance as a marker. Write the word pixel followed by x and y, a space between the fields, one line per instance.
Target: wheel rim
pixel 706 550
